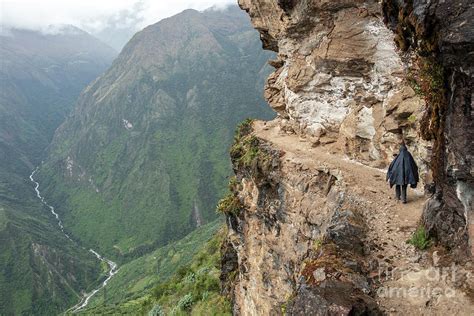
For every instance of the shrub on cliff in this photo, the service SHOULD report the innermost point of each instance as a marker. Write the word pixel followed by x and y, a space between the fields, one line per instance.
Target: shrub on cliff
pixel 230 204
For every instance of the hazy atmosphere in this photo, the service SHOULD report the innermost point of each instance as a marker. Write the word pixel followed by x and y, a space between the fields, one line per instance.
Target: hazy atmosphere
pixel 113 21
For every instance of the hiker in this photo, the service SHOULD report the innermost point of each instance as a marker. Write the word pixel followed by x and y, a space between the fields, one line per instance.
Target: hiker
pixel 402 172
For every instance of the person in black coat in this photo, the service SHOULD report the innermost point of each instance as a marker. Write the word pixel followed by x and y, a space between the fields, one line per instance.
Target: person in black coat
pixel 402 172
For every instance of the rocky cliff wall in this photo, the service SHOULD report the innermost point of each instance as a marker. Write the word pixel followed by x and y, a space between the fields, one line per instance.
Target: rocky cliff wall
pixel 296 229
pixel 441 36
pixel 339 77
pixel 310 215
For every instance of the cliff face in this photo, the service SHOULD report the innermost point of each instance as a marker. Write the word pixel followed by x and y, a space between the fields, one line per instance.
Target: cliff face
pixel 311 219
pixel 339 77
pixel 294 214
pixel 441 34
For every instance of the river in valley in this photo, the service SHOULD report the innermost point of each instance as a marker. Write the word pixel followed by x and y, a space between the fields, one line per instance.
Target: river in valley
pixel 113 267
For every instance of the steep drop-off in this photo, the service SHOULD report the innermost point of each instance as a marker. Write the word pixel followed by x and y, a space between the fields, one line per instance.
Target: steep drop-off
pixel 142 159
pixel 41 75
pixel 313 227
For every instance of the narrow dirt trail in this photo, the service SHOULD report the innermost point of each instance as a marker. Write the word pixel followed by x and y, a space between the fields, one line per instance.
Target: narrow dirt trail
pixel 365 180
pixel 398 265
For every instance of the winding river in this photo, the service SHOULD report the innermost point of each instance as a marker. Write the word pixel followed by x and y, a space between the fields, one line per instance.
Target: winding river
pixel 113 267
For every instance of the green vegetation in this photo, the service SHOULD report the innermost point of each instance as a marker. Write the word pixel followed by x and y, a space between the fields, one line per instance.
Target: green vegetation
pixel 142 274
pixel 412 119
pixel 3 219
pixel 250 150
pixel 244 128
pixel 317 244
pixel 414 83
pixel 128 189
pixel 230 204
pixel 426 77
pixel 179 279
pixel 195 289
pixel 36 259
pixel 420 238
pixel 157 310
pixel 41 272
pixel 283 307
pixel 246 151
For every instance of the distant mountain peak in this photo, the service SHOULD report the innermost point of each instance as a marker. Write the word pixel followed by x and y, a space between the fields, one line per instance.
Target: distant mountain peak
pixel 154 130
pixel 63 29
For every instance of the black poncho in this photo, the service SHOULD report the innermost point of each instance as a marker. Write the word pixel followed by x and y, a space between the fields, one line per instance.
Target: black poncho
pixel 403 169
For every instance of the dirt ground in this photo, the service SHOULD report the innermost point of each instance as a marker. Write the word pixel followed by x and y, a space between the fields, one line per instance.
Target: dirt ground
pixel 409 281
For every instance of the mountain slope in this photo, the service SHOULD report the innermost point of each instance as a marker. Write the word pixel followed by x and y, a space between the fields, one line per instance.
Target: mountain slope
pixel 142 160
pixel 133 290
pixel 41 272
pixel 41 75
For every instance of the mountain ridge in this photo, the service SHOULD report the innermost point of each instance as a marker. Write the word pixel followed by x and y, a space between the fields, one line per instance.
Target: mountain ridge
pixel 145 145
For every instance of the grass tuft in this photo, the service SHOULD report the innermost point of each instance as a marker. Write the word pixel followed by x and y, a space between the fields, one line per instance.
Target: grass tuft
pixel 420 238
pixel 246 152
pixel 244 128
pixel 230 204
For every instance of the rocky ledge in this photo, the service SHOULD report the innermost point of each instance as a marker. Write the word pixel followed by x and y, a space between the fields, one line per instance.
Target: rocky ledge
pixel 313 229
pixel 312 232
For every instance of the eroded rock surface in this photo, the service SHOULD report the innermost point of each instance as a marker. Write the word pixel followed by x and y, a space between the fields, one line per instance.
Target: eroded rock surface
pixel 313 228
pixel 441 33
pixel 314 233
pixel 299 232
pixel 339 77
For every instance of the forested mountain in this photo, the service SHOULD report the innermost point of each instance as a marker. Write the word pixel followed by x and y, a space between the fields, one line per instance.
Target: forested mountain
pixel 41 75
pixel 143 159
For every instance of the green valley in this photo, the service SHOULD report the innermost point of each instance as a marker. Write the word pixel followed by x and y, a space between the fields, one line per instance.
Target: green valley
pixel 142 160
pixel 135 170
pixel 186 268
pixel 41 75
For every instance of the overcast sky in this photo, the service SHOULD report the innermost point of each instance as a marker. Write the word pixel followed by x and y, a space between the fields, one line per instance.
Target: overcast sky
pixel 95 15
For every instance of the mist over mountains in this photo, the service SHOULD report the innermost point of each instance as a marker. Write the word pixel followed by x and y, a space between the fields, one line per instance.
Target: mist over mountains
pixel 145 150
pixel 113 22
pixel 41 75
pixel 138 159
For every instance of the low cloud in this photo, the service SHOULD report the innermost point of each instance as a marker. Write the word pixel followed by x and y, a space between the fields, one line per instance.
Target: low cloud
pixel 95 15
